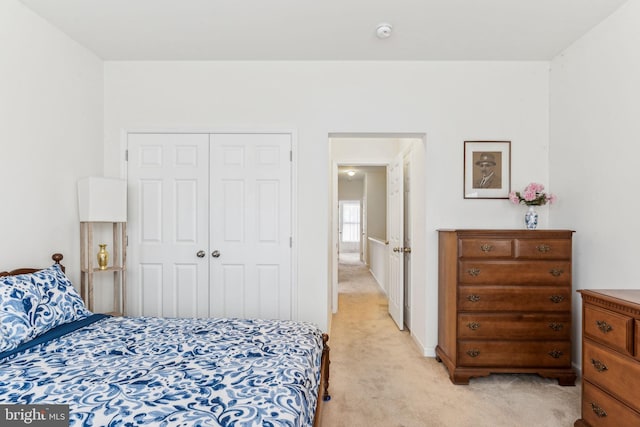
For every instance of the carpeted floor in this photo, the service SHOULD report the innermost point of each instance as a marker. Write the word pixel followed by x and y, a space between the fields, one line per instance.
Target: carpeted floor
pixel 379 378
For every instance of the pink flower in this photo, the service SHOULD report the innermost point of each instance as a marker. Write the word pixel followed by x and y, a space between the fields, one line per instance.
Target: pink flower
pixel 529 194
pixel 533 195
pixel 534 187
pixel 513 196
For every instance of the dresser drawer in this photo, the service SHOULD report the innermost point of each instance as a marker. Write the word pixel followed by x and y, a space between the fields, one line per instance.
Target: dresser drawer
pixel 516 354
pixel 600 409
pixel 486 248
pixel 636 340
pixel 543 249
pixel 514 298
pixel 514 326
pixel 514 272
pixel 612 329
pixel 611 371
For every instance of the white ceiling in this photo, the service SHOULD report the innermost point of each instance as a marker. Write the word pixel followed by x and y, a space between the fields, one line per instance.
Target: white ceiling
pixel 324 29
pixel 359 170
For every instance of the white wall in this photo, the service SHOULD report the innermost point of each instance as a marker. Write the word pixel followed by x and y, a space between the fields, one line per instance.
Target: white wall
pixel 379 255
pixel 50 135
pixel 595 131
pixel 377 204
pixel 350 189
pixel 449 101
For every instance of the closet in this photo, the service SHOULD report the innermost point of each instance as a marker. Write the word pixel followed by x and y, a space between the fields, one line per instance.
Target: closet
pixel 210 224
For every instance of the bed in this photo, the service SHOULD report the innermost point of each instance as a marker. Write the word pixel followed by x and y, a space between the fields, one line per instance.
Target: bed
pixel 154 371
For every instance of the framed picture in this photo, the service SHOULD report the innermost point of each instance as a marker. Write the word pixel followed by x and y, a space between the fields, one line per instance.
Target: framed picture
pixel 487 169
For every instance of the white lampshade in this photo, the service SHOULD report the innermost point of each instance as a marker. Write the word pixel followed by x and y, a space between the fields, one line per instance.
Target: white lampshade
pixel 102 199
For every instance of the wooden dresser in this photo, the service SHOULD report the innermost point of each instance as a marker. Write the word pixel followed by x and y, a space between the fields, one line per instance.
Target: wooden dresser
pixel 504 303
pixel 610 358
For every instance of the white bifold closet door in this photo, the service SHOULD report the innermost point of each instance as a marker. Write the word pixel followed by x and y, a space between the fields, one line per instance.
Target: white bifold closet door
pixel 210 225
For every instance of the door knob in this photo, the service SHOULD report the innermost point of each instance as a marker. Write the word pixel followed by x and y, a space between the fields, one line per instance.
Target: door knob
pixel 406 250
pixel 396 249
pixel 215 254
pixel 201 254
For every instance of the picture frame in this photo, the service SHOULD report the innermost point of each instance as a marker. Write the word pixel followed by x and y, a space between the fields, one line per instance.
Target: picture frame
pixel 487 169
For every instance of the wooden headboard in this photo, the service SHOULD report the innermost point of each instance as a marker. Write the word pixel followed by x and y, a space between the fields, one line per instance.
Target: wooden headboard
pixel 55 257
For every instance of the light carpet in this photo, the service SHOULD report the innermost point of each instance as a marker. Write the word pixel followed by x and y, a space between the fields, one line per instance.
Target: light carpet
pixel 379 378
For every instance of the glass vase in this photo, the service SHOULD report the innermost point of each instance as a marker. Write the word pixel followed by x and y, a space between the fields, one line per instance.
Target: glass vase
pixel 531 218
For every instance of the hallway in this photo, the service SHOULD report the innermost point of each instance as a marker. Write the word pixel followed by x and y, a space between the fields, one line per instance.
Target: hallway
pixel 380 379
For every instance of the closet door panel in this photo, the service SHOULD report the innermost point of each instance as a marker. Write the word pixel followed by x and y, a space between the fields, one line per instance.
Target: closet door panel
pixel 210 225
pixel 168 224
pixel 250 205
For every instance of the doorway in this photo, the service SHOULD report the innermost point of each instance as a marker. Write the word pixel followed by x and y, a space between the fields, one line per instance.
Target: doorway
pixel 355 151
pixel 350 232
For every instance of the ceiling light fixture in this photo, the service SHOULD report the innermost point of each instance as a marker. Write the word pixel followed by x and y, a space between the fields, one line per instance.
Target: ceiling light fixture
pixel 351 172
pixel 384 30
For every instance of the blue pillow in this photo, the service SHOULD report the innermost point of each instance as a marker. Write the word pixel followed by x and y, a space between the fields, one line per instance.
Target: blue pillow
pixel 46 299
pixel 18 299
pixel 58 302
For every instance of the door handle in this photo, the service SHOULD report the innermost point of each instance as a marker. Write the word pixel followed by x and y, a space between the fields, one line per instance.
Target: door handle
pixel 402 250
pixel 201 254
pixel 215 254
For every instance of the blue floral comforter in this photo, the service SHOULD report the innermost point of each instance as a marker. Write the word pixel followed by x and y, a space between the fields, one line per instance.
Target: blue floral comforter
pixel 123 371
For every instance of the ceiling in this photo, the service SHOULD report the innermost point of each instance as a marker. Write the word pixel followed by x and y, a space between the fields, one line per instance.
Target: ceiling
pixel 324 30
pixel 359 171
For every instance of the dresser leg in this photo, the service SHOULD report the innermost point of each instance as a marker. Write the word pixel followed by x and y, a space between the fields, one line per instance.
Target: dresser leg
pixel 567 380
pixel 460 379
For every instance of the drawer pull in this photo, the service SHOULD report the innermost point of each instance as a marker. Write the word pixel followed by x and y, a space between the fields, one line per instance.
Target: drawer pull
pixel 598 410
pixel 473 272
pixel 556 272
pixel 604 326
pixel 486 247
pixel 556 326
pixel 543 248
pixel 555 354
pixel 473 325
pixel 556 299
pixel 600 367
pixel 473 353
pixel 474 298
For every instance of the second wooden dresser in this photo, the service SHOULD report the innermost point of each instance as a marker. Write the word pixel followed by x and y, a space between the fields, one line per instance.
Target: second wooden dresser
pixel 610 358
pixel 504 303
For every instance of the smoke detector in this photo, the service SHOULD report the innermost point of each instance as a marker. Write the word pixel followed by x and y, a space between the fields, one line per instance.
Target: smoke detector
pixel 383 31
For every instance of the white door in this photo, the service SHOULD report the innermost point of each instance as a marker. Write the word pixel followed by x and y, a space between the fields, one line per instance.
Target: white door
pixel 250 202
pixel 396 241
pixel 210 225
pixel 408 232
pixel 168 222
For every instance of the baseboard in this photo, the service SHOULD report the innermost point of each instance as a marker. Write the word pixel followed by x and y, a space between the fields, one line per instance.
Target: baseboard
pixel 426 352
pixel 578 369
pixel 378 282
